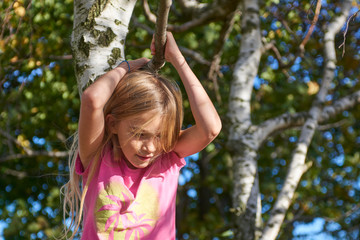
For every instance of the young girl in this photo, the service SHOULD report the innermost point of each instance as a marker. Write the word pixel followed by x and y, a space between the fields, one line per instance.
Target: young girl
pixel 131 149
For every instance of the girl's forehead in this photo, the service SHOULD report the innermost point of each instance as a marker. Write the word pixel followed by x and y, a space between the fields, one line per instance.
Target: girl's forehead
pixel 149 121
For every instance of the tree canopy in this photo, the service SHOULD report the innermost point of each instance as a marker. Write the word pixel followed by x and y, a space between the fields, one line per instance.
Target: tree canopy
pixel 264 65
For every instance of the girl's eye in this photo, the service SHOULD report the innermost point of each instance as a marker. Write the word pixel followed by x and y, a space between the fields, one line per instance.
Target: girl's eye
pixel 139 135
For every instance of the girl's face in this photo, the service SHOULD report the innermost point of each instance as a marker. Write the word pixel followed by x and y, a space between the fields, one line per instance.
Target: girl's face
pixel 140 145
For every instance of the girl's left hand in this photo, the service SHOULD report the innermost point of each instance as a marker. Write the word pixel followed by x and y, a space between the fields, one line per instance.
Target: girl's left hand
pixel 134 64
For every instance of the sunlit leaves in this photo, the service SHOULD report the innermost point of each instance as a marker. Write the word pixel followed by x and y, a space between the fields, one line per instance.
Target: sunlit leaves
pixel 39 109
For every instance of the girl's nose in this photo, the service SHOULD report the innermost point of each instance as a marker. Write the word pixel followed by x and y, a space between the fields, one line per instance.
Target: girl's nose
pixel 149 145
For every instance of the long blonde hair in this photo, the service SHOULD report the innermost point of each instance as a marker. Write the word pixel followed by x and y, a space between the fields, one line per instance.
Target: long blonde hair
pixel 136 93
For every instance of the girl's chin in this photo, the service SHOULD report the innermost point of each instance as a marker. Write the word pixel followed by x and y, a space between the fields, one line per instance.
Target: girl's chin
pixel 142 164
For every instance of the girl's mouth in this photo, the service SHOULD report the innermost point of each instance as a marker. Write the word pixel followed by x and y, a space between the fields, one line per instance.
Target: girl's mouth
pixel 144 158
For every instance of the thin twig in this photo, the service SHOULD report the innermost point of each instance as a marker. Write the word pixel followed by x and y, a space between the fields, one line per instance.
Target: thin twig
pixel 214 69
pixel 312 26
pixel 346 29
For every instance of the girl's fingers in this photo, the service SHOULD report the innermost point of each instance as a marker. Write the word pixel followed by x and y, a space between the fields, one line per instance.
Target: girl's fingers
pixel 138 63
pixel 152 46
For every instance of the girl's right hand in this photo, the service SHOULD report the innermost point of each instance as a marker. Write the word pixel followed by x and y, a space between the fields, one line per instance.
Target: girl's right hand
pixel 172 51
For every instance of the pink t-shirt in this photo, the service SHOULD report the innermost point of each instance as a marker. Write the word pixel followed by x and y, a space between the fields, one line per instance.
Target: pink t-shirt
pixel 124 203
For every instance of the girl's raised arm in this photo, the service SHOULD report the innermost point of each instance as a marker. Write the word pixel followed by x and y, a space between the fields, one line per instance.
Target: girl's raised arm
pixel 93 100
pixel 207 121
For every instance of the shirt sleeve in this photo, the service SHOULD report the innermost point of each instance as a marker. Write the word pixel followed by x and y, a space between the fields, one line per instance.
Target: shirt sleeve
pixel 79 168
pixel 175 159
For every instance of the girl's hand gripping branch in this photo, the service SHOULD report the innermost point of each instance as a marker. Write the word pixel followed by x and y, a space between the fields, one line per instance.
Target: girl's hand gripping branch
pixel 207 121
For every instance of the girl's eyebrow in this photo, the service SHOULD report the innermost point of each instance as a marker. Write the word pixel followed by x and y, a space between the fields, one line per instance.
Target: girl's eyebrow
pixel 137 128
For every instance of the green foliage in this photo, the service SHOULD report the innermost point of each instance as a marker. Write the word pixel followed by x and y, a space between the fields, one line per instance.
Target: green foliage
pixel 39 108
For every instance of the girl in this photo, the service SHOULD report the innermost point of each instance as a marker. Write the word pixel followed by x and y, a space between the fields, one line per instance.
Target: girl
pixel 131 149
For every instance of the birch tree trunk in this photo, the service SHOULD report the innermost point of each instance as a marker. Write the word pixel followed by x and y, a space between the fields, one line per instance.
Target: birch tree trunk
pixel 298 165
pixel 99 32
pixel 246 199
pixel 245 138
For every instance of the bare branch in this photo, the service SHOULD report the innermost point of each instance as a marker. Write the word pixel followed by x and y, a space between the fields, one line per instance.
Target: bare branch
pixel 31 154
pixel 204 14
pixel 186 51
pixel 332 125
pixel 340 105
pixel 138 24
pixel 279 123
pixel 353 210
pixel 15 173
pixel 301 49
pixel 150 16
pixel 158 60
pixel 346 29
pixel 312 26
pixel 282 65
pixel 287 120
pixel 195 55
pixel 214 70
pixel 203 18
pixel 28 151
pixel 11 138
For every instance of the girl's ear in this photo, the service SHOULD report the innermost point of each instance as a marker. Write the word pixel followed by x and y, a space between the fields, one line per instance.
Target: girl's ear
pixel 111 123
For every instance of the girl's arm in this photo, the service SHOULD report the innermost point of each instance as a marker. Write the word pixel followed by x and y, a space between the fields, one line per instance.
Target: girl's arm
pixel 207 121
pixel 93 100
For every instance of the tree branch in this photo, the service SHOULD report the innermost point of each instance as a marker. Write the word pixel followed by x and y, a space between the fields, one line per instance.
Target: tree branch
pixel 301 50
pixel 158 60
pixel 353 210
pixel 287 120
pixel 203 13
pixel 195 55
pixel 150 16
pixel 186 51
pixel 203 18
pixel 346 29
pixel 214 69
pixel 15 173
pixel 340 105
pixel 312 26
pixel 28 151
pixel 35 154
pixel 138 24
pixel 11 138
pixel 297 165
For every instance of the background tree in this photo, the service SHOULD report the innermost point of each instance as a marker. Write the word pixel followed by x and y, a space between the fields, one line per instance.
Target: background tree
pixel 286 92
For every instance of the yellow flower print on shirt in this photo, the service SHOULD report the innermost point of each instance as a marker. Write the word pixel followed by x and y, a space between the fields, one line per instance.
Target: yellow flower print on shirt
pixel 120 216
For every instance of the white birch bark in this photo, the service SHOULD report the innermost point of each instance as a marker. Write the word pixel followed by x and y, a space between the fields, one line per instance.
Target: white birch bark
pixel 297 165
pixel 98 38
pixel 246 185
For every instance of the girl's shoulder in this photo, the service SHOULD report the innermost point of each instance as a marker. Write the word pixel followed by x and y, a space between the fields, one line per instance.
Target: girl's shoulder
pixel 105 158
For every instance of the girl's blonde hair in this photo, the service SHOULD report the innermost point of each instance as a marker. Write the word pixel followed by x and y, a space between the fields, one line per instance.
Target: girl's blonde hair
pixel 137 92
